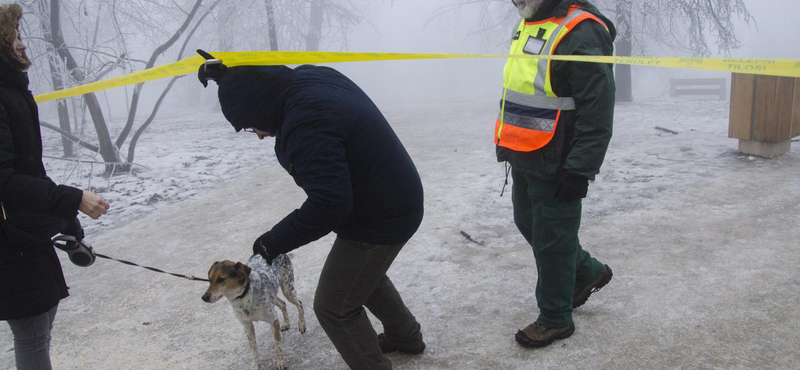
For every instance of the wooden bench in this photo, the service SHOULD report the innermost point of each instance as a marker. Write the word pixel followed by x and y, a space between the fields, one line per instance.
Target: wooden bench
pixel 698 86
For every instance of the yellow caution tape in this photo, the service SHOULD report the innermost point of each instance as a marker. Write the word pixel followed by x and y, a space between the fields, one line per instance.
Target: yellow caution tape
pixel 769 67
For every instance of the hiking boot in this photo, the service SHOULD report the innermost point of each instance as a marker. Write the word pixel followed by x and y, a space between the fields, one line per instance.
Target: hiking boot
pixel 412 348
pixel 580 295
pixel 536 335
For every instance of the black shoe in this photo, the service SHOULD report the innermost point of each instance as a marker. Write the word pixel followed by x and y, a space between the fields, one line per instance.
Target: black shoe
pixel 412 348
pixel 580 295
pixel 535 335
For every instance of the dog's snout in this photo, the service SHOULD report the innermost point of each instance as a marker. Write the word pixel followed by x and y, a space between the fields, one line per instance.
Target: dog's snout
pixel 207 297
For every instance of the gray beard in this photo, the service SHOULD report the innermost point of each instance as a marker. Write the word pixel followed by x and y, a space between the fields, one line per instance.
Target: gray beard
pixel 529 9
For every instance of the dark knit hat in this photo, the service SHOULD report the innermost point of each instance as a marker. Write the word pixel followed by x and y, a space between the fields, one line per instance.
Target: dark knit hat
pixel 254 96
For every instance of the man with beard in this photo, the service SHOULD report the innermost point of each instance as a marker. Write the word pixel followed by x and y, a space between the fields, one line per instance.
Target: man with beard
pixel 553 129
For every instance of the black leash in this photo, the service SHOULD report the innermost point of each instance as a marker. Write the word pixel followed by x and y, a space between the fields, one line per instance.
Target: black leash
pixel 81 254
pixel 187 277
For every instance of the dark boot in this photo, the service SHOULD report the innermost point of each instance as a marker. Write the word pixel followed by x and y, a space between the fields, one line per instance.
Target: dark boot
pixel 580 295
pixel 414 347
pixel 536 335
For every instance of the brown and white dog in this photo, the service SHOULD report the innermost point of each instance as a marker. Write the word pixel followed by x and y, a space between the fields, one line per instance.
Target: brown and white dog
pixel 252 290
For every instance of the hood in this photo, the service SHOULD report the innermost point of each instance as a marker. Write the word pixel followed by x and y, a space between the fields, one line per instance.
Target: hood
pixel 254 96
pixel 10 15
pixel 559 8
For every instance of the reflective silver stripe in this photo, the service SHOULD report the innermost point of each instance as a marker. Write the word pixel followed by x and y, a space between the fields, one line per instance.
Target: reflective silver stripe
pixel 540 101
pixel 541 73
pixel 538 124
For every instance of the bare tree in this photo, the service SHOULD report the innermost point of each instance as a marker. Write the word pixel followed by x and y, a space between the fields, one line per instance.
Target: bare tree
pixel 685 26
pixel 273 30
pixel 101 50
pixel 107 150
pixel 290 25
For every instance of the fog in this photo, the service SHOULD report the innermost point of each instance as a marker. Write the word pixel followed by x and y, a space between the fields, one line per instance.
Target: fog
pixel 431 27
pixel 695 286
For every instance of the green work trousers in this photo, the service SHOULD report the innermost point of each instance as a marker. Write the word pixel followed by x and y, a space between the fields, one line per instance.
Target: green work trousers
pixel 551 228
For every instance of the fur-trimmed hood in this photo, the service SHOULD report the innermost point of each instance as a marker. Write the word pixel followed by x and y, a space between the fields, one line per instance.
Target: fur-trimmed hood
pixel 10 15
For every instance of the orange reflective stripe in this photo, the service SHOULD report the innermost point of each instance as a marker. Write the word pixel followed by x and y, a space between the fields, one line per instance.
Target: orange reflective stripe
pixel 569 26
pixel 522 139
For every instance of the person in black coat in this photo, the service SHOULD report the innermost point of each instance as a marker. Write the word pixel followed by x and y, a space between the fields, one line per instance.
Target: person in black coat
pixel 33 209
pixel 361 184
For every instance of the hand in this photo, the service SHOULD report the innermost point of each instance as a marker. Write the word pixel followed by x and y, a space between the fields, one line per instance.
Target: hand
pixel 266 246
pixel 74 229
pixel 571 188
pixel 92 205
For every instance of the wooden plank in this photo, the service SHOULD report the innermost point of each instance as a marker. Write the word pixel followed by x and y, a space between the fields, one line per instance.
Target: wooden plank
pixel 699 81
pixel 740 124
pixel 682 92
pixel 781 128
pixel 764 108
pixel 796 109
pixel 723 91
pixel 773 109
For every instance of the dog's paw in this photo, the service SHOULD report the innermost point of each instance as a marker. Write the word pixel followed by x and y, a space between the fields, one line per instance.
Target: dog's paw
pixel 285 327
pixel 302 328
pixel 282 366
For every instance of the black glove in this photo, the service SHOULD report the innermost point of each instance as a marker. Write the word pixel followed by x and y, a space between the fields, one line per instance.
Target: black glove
pixel 74 229
pixel 571 188
pixel 212 69
pixel 267 247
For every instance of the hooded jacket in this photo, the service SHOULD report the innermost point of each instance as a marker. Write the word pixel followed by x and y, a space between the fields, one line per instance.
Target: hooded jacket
pixel 31 280
pixel 336 144
pixel 582 136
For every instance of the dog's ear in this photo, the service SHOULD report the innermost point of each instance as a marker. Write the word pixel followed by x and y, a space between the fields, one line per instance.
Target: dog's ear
pixel 243 269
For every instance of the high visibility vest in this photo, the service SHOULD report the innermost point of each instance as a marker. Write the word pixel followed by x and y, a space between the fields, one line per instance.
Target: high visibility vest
pixel 530 110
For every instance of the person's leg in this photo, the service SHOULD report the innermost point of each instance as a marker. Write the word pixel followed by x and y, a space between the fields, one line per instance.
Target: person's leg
pixel 402 332
pixel 588 270
pixel 350 276
pixel 32 340
pixel 522 205
pixel 556 247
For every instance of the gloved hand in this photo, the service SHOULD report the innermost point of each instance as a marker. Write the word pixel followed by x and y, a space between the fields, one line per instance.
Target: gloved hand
pixel 74 229
pixel 212 69
pixel 571 188
pixel 267 247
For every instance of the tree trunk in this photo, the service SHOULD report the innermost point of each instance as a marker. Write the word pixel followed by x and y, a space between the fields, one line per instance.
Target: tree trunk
pixel 315 25
pixel 624 46
pixel 63 111
pixel 143 127
pixel 107 149
pixel 273 32
pixel 58 84
pixel 123 135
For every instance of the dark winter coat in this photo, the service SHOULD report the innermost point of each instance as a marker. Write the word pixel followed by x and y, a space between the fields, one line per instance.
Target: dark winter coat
pixel 31 280
pixel 581 139
pixel 338 147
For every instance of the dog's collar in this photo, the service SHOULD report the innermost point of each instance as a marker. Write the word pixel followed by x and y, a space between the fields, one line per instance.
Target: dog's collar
pixel 246 289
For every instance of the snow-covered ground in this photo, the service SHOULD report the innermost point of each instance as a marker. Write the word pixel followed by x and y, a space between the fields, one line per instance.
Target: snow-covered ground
pixel 703 241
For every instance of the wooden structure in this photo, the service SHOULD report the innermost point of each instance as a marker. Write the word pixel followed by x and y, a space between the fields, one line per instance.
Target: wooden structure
pixel 765 113
pixel 699 86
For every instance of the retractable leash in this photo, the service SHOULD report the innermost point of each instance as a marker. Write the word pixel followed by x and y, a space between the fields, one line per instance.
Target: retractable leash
pixel 81 254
